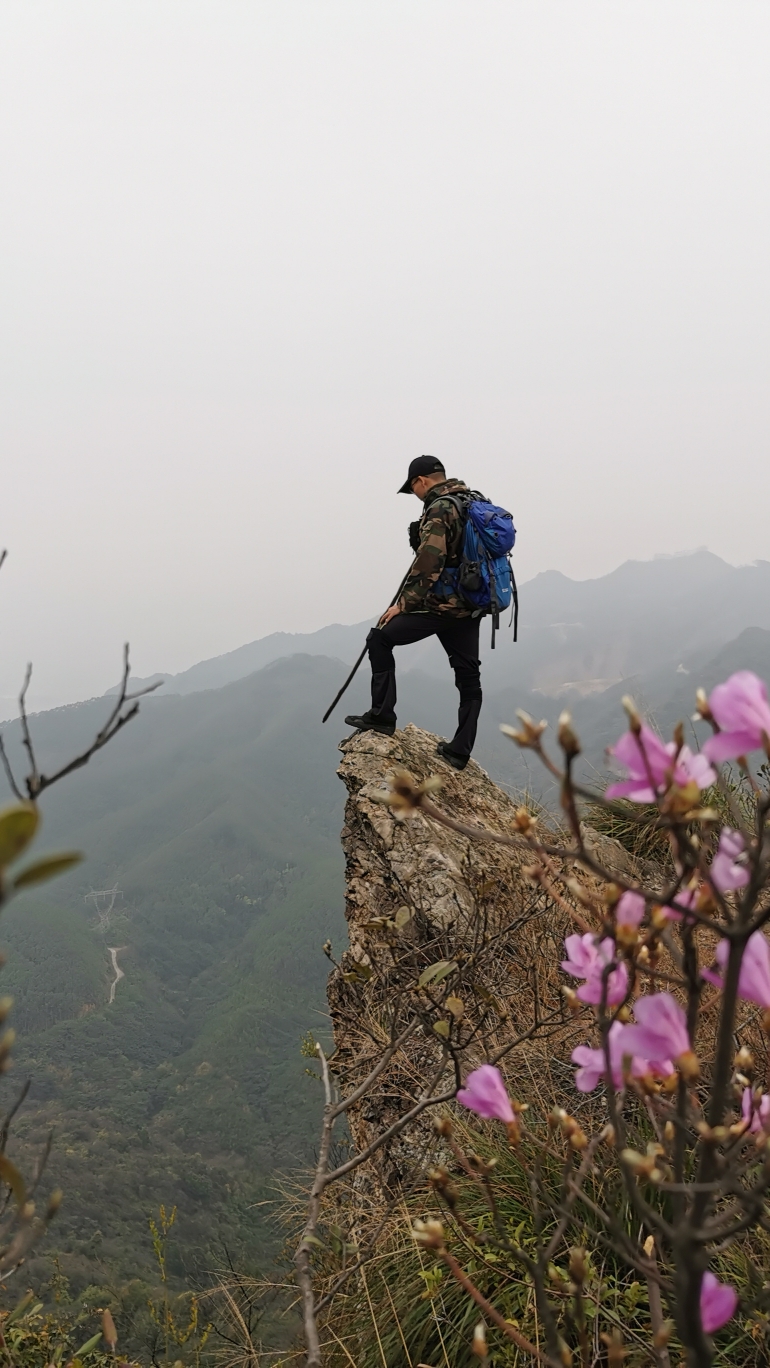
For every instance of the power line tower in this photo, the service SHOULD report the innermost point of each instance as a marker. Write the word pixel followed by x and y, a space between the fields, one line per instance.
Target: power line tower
pixel 103 900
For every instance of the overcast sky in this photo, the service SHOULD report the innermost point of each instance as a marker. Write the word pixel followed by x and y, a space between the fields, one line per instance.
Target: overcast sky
pixel 255 256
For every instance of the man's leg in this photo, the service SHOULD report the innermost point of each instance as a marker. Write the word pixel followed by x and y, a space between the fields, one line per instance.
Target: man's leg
pixel 402 629
pixel 460 639
pixel 383 666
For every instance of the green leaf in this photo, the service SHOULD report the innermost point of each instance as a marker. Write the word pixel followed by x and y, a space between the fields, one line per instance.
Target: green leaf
pixel 10 1175
pixel 402 918
pixel 436 972
pixel 20 1308
pixel 89 1345
pixel 18 825
pixel 442 1029
pixel 360 973
pixel 47 868
pixel 456 1006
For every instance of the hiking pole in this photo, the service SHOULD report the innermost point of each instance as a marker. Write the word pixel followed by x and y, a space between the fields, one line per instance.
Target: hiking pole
pixel 337 698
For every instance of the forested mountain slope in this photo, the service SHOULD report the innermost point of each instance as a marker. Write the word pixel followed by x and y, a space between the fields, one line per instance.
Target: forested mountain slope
pixel 218 816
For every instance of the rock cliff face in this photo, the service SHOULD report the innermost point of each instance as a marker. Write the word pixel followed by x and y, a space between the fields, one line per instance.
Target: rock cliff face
pixel 418 894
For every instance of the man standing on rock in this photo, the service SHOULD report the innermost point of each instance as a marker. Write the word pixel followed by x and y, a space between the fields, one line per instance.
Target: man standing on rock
pixel 419 613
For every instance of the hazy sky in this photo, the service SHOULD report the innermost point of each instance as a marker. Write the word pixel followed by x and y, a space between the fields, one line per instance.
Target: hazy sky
pixel 255 256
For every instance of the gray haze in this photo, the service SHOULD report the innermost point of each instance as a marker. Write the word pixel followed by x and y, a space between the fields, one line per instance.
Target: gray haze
pixel 255 256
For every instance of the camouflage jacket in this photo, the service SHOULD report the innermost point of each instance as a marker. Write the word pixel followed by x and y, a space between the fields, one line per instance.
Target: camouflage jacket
pixel 441 530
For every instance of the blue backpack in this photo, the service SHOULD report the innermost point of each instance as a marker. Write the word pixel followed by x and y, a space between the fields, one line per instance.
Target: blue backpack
pixel 484 577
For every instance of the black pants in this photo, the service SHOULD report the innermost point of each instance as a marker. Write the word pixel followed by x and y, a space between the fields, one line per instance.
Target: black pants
pixel 460 639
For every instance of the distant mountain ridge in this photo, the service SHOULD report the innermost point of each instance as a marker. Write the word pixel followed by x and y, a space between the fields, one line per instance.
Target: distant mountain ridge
pixel 587 633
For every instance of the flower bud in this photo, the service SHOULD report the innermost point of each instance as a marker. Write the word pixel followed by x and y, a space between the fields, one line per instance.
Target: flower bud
pixel 479 1345
pixel 659 918
pixel 715 1135
pixel 429 1233
pixel 567 738
pixel 744 1060
pixel 108 1329
pixel 578 1266
pixel 634 720
pixel 523 820
pixel 702 705
pixel 627 936
pixel 529 734
pixel 689 1065
pixel 404 795
pixel 644 1165
pixel 443 1125
pixel 440 1180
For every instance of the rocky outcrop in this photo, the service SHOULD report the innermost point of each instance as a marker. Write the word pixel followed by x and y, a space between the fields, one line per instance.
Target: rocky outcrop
pixel 418 894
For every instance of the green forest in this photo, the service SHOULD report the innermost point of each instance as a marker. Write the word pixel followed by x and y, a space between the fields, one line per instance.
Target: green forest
pixel 217 816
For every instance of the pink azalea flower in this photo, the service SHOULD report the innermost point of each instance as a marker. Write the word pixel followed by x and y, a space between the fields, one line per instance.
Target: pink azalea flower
pixel 718 1303
pixel 630 909
pixel 591 1063
pixel 485 1094
pixel 725 872
pixel 660 1033
pixel 647 758
pixel 741 709
pixel 757 1113
pixel 754 978
pixel 685 898
pixel 588 960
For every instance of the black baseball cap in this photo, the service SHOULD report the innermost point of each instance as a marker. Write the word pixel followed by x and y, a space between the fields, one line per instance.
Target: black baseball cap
pixel 421 465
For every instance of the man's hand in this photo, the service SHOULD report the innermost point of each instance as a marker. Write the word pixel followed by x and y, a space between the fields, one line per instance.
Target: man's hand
pixel 389 613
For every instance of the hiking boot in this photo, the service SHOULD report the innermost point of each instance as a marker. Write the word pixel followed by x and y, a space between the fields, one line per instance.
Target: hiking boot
pixel 457 762
pixel 368 723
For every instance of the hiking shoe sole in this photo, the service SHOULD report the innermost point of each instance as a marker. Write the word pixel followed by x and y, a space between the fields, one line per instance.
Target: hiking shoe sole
pixel 363 724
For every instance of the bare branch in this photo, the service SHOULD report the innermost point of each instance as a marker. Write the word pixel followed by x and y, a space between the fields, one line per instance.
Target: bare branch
pixel 120 714
pixel 9 772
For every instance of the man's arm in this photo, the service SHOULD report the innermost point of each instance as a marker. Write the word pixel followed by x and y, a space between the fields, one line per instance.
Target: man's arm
pixel 428 563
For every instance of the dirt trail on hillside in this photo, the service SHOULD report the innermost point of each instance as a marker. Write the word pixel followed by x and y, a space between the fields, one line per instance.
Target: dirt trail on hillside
pixel 114 952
